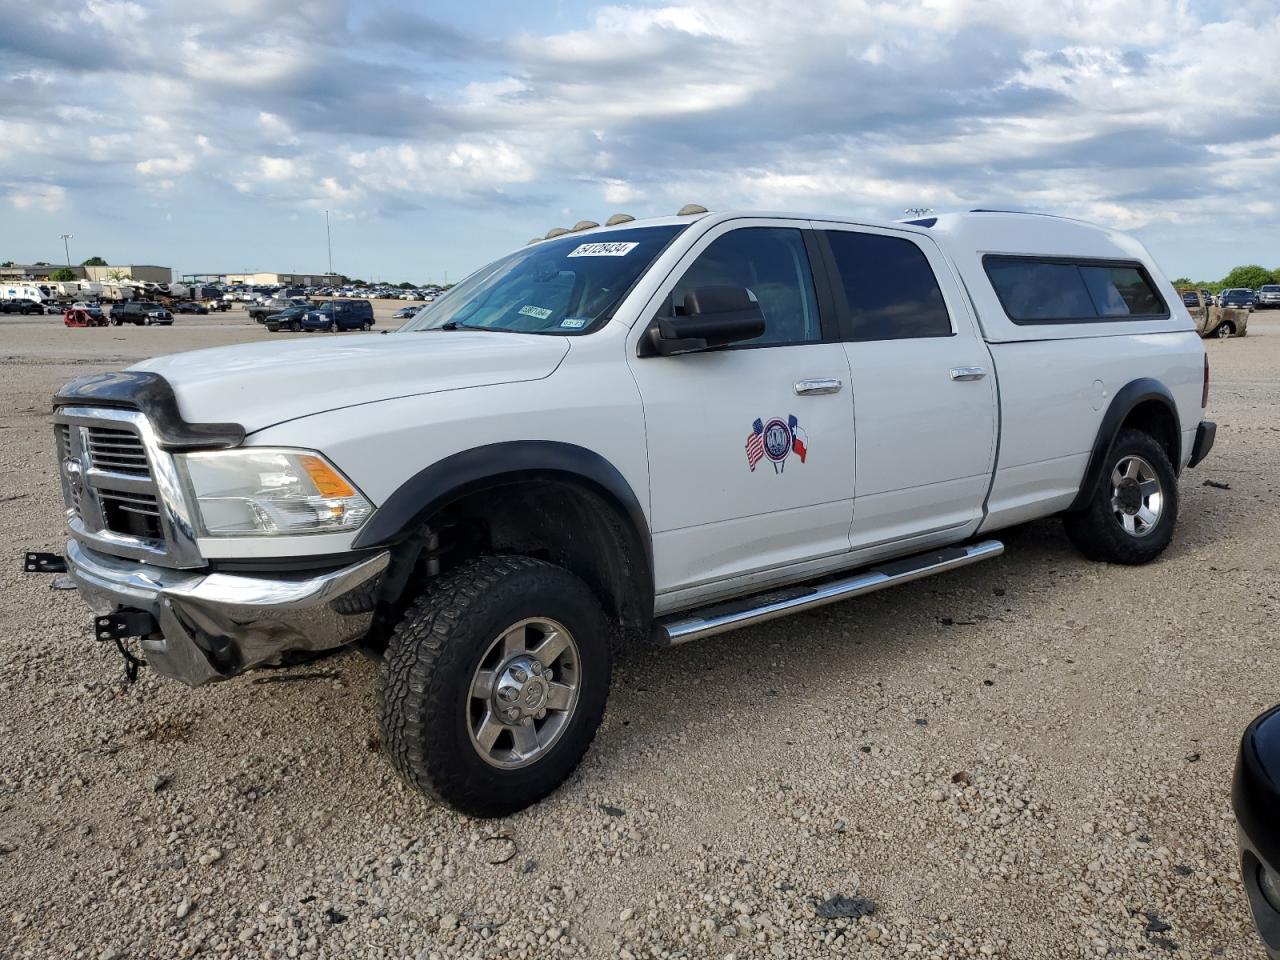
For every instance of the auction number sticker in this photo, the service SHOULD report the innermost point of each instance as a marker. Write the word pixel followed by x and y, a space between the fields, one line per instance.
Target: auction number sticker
pixel 540 312
pixel 574 323
pixel 607 249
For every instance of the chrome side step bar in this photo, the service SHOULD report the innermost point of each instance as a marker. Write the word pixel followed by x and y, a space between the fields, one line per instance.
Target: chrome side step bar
pixel 733 614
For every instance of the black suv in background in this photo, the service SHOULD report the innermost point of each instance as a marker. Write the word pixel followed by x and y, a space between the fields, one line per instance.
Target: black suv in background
pixel 338 315
pixel 1237 297
pixel 140 313
pixel 21 305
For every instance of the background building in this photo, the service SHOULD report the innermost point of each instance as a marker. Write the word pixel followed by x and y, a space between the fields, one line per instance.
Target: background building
pixel 267 279
pixel 141 272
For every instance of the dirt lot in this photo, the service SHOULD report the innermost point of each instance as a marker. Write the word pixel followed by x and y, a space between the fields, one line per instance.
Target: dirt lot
pixel 1029 758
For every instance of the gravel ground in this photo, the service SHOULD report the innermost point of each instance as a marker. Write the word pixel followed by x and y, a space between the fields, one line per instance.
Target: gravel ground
pixel 1026 758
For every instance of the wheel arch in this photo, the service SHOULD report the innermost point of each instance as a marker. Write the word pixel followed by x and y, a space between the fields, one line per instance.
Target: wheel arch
pixel 1145 404
pixel 542 498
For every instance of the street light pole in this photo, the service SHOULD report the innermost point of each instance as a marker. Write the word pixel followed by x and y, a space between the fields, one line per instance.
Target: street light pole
pixel 329 239
pixel 66 247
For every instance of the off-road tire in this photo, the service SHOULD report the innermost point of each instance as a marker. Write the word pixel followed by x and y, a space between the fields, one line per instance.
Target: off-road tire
pixel 1225 329
pixel 432 657
pixel 1097 533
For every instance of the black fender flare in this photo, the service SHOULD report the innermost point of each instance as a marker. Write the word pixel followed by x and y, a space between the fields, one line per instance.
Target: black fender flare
pixel 452 478
pixel 1122 404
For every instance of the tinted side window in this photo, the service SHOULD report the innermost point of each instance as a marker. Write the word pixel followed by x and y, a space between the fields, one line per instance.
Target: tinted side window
pixel 772 264
pixel 1064 291
pixel 889 287
pixel 1031 290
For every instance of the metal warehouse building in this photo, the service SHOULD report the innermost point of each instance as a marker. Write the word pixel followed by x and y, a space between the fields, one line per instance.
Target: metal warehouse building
pixel 141 272
pixel 267 279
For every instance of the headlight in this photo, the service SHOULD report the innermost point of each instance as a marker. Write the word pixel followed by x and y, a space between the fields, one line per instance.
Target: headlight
pixel 270 492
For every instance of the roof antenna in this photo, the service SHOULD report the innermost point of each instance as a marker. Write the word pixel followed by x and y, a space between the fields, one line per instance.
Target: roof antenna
pixel 918 211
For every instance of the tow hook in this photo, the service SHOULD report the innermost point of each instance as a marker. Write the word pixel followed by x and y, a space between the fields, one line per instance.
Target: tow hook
pixel 122 626
pixel 45 562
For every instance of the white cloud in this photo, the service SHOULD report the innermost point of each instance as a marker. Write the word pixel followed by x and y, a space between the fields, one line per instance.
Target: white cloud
pixel 43 197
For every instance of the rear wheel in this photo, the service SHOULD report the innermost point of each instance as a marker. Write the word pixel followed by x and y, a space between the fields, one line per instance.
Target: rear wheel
pixel 366 326
pixel 494 684
pixel 1225 330
pixel 1131 515
pixel 333 326
pixel 295 326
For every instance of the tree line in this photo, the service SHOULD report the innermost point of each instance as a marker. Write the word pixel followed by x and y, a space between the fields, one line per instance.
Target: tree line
pixel 1251 275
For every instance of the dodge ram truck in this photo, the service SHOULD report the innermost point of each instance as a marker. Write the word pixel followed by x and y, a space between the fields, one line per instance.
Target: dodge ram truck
pixel 652 431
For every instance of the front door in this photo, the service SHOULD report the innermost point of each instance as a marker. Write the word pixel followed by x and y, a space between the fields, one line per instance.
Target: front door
pixel 750 446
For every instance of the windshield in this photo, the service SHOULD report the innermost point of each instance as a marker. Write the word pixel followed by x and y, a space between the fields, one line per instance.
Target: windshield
pixel 1270 288
pixel 569 285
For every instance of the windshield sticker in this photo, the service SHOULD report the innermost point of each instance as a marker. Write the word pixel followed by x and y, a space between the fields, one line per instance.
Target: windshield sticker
pixel 611 249
pixel 573 323
pixel 538 312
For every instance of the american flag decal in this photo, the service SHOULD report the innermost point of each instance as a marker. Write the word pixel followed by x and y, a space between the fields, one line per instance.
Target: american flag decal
pixel 755 444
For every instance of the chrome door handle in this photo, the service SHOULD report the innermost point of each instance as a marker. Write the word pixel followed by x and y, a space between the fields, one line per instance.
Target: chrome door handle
pixel 818 386
pixel 967 373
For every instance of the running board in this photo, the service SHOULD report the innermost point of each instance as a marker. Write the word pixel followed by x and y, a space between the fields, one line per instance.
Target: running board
pixel 730 615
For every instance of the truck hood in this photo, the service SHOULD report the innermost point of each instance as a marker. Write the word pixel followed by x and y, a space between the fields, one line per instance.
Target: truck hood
pixel 261 384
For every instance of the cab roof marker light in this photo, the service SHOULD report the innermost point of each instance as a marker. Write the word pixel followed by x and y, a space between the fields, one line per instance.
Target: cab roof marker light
pixel 555 232
pixel 584 225
pixel 689 209
pixel 618 218
pixel 533 241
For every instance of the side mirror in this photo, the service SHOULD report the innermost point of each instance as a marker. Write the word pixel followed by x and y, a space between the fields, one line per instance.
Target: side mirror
pixel 712 317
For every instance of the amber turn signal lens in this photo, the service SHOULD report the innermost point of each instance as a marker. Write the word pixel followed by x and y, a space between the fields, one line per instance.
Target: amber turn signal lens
pixel 328 482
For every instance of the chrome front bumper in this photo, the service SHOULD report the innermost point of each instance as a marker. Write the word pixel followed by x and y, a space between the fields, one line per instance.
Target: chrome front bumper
pixel 215 625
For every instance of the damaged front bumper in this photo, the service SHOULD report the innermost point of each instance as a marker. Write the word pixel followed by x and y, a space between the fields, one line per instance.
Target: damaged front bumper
pixel 211 626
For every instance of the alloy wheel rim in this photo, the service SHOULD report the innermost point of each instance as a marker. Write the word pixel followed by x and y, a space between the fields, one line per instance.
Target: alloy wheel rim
pixel 1137 498
pixel 523 693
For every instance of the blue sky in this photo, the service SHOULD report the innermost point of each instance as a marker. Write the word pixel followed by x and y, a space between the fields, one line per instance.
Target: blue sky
pixel 212 135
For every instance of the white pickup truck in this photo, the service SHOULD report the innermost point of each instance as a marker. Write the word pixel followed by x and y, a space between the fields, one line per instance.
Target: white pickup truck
pixel 657 430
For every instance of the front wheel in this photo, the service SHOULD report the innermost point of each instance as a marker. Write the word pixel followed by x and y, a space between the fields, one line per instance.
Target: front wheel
pixel 366 326
pixel 1134 508
pixel 1224 330
pixel 494 684
pixel 333 326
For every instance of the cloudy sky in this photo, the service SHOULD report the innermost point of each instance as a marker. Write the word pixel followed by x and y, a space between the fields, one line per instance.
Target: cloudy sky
pixel 212 135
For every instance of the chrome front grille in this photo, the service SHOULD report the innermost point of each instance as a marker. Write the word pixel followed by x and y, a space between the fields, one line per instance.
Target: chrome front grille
pixel 117 451
pixel 121 489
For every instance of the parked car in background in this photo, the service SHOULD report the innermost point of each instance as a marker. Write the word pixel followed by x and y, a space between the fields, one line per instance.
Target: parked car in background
pixel 1207 296
pixel 21 305
pixel 190 306
pixel 290 318
pixel 404 313
pixel 78 315
pixel 264 308
pixel 1255 795
pixel 1241 297
pixel 1214 321
pixel 93 309
pixel 140 313
pixel 1268 297
pixel 336 315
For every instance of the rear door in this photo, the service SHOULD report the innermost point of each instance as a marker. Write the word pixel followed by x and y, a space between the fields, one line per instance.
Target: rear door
pixel 923 390
pixel 750 446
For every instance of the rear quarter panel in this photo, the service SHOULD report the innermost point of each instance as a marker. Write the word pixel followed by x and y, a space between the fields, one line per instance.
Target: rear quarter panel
pixel 1053 395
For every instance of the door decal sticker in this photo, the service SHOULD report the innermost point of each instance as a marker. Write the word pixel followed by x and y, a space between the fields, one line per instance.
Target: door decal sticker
pixel 776 440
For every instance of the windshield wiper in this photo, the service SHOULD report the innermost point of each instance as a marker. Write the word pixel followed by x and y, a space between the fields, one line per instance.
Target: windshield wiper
pixel 459 325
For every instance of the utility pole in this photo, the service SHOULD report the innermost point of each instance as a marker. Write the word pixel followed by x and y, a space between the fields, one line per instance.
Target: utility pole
pixel 329 238
pixel 67 247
